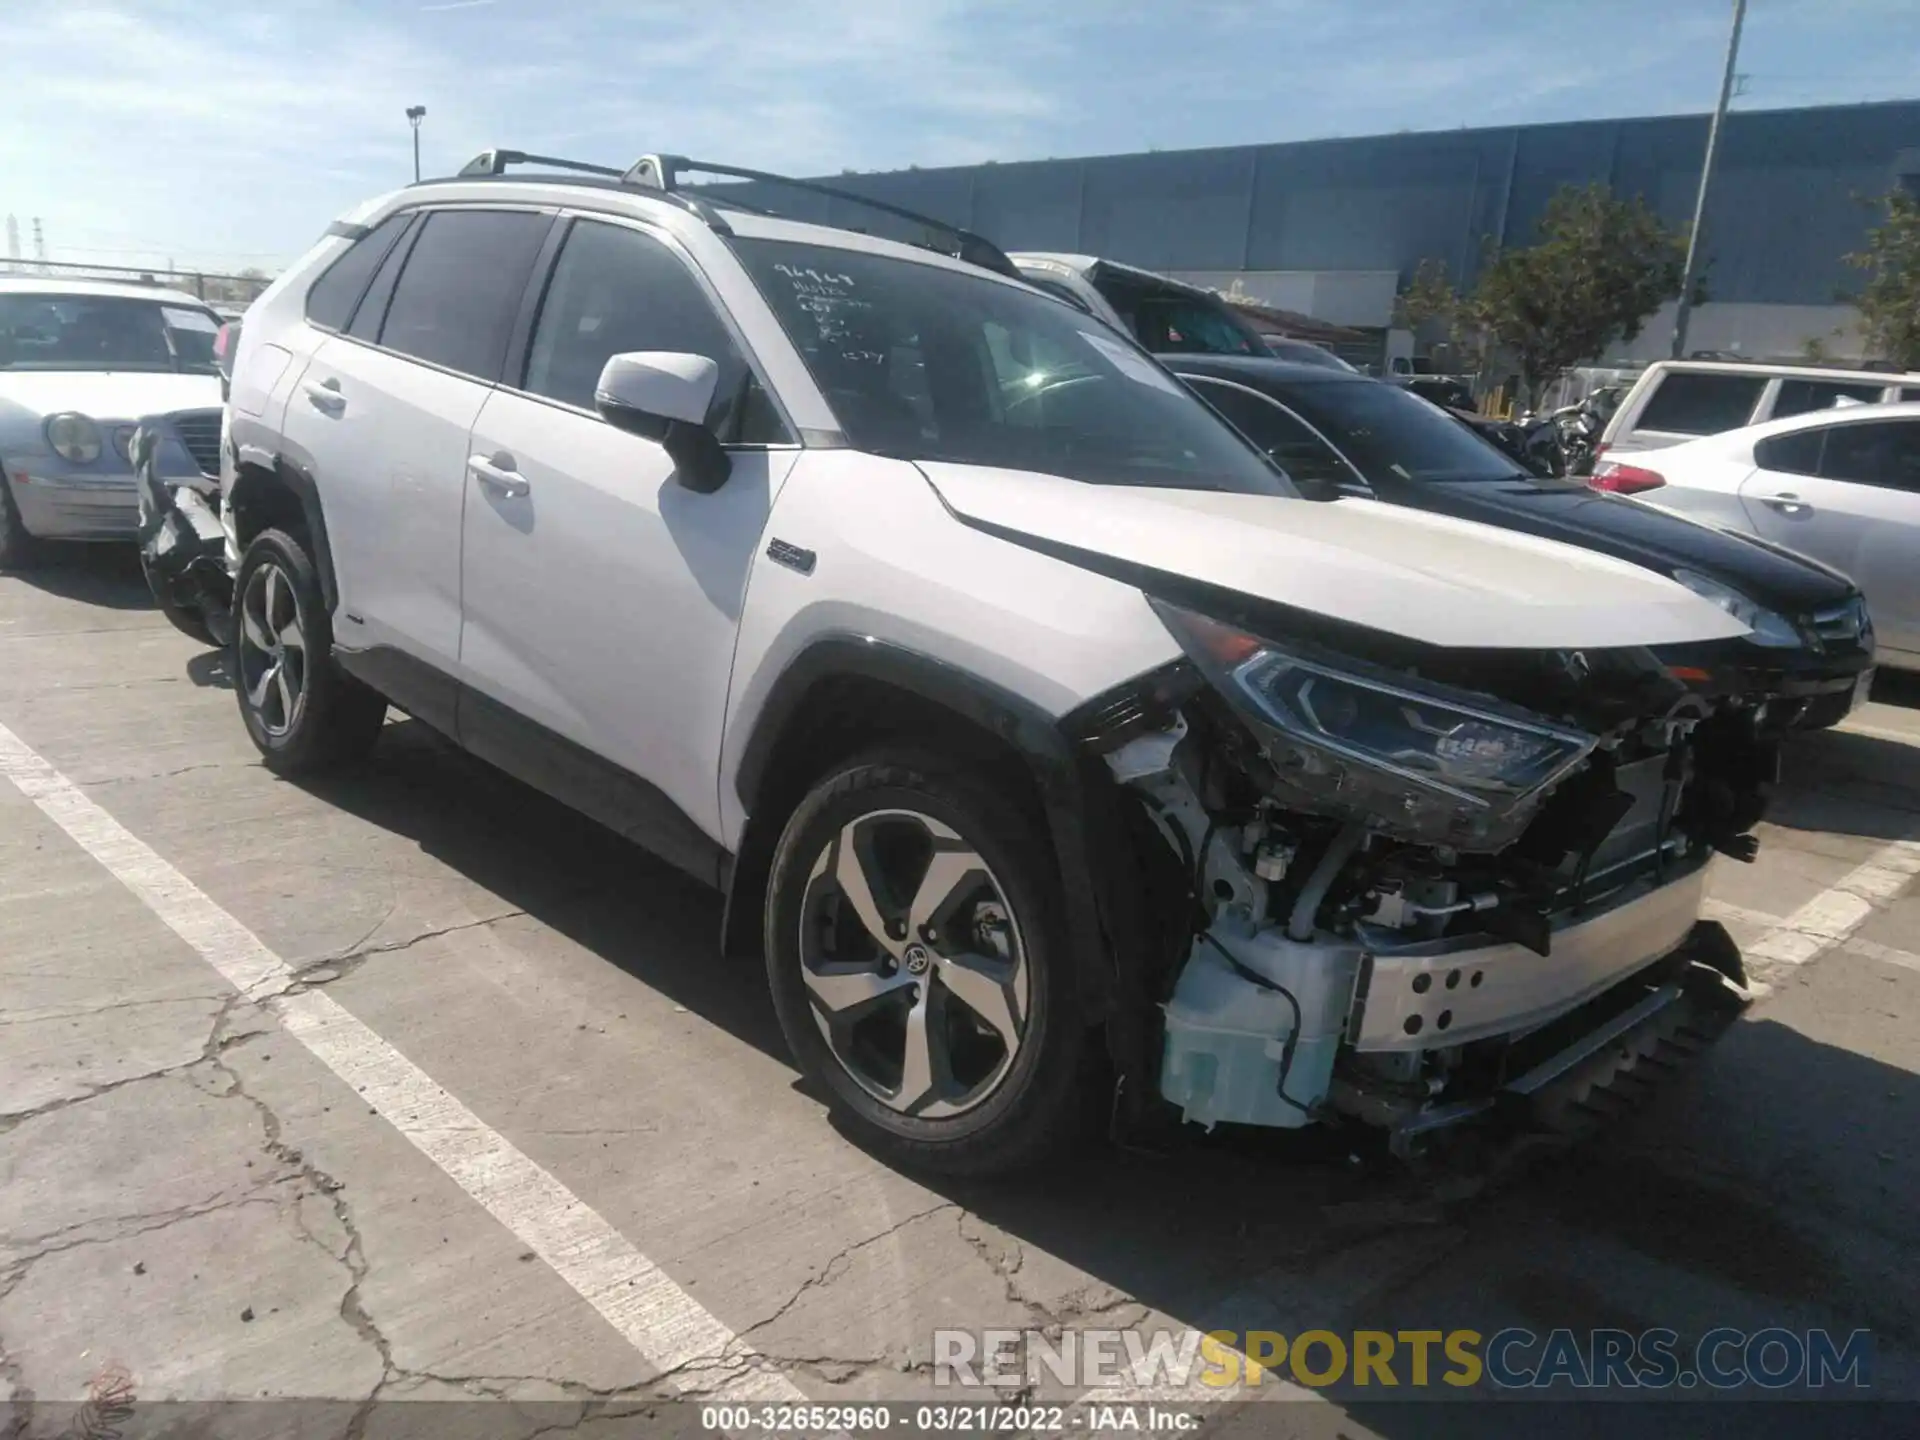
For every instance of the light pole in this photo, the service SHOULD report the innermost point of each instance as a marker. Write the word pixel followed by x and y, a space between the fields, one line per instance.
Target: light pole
pixel 415 114
pixel 1684 311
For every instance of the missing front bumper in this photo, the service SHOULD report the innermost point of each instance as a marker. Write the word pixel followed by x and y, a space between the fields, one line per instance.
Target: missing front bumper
pixel 1590 1067
pixel 1451 992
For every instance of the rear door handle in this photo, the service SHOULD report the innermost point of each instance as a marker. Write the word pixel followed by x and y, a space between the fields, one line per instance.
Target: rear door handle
pixel 1787 503
pixel 325 395
pixel 497 473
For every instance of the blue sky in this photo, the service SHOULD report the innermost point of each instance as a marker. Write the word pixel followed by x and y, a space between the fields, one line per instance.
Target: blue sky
pixel 225 133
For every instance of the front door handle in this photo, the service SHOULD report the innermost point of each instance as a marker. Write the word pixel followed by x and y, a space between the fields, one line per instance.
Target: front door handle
pixel 497 474
pixel 324 395
pixel 1787 503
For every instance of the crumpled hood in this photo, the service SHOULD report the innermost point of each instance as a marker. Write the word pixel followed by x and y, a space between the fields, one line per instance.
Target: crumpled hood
pixel 1429 578
pixel 108 395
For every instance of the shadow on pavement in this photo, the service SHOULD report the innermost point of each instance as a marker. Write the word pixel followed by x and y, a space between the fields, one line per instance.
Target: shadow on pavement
pixel 567 871
pixel 1745 1177
pixel 208 670
pixel 1896 687
pixel 104 575
pixel 1842 782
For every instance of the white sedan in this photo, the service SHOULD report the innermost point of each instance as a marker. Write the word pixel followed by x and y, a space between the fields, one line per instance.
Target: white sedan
pixel 82 362
pixel 1840 485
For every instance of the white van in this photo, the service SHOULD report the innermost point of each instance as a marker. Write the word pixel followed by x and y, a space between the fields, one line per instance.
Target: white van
pixel 1680 400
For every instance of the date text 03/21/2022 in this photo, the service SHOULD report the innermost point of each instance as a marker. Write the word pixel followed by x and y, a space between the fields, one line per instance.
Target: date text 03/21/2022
pixel 945 1417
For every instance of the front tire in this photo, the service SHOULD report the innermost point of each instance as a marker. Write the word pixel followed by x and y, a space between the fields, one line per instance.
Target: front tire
pixel 303 712
pixel 18 549
pixel 919 966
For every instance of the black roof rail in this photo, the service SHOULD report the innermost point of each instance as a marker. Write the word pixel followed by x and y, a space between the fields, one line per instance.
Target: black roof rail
pixel 662 173
pixel 492 165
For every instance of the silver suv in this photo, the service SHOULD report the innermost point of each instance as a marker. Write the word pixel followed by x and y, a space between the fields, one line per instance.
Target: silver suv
pixel 1047 745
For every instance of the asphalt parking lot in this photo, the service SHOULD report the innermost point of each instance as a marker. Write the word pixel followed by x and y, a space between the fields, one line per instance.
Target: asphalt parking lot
pixel 413 1085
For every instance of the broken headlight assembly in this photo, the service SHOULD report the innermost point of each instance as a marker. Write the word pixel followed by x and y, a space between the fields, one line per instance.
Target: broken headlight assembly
pixel 1343 738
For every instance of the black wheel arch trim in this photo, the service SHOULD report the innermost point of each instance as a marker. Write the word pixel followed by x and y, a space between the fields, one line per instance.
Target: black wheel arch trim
pixel 298 481
pixel 1077 795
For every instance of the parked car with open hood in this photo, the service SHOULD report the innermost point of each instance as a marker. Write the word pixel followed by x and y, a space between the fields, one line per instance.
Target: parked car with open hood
pixel 1809 655
pixel 1841 486
pixel 1033 725
pixel 1162 313
pixel 81 362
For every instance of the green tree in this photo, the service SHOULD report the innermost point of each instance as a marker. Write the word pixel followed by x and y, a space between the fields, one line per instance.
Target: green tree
pixel 1598 269
pixel 1428 296
pixel 1889 301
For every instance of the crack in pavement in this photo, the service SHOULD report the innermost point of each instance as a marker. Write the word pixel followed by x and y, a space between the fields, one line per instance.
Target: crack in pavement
pixel 836 1267
pixel 31 1018
pixel 313 974
pixel 160 1220
pixel 352 1256
pixel 13 1120
pixel 1007 1261
pixel 87 687
pixel 169 774
pixel 84 630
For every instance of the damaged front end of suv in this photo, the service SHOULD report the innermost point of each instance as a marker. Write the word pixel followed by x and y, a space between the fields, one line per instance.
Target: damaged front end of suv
pixel 1418 884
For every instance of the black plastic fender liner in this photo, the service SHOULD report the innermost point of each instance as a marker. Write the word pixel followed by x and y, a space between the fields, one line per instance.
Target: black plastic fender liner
pixel 1067 781
pixel 297 480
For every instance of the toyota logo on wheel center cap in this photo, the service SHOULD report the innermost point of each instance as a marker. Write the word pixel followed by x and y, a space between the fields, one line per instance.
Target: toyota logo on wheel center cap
pixel 917 959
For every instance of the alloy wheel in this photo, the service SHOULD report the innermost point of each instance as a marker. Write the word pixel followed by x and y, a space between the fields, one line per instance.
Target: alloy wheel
pixel 913 964
pixel 273 650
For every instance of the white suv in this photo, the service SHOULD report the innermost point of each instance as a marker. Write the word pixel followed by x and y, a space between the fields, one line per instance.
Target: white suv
pixel 1046 743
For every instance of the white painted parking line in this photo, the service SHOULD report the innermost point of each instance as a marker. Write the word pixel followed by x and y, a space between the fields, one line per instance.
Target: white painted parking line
pixel 663 1322
pixel 1831 916
pixel 1880 732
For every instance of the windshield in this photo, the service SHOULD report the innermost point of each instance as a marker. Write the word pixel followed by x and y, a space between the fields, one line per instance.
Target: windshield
pixel 104 332
pixel 926 363
pixel 1388 433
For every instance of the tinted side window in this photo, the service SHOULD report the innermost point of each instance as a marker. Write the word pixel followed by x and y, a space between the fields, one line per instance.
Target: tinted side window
pixel 1285 439
pixel 1691 402
pixel 455 302
pixel 331 298
pixel 1798 397
pixel 616 290
pixel 373 306
pixel 1795 454
pixel 1885 453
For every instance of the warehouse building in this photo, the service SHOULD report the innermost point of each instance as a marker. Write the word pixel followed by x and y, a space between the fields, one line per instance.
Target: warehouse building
pixel 1332 228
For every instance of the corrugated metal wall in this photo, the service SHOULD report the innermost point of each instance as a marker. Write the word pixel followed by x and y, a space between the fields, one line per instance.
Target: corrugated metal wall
pixel 1782 214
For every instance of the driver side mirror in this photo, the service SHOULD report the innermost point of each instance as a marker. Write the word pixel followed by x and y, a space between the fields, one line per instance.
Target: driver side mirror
pixel 1311 487
pixel 664 395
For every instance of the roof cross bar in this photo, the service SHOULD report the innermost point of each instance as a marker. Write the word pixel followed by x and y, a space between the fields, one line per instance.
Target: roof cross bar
pixel 662 172
pixel 495 162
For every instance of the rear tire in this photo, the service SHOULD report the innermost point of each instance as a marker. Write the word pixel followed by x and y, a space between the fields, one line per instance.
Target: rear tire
pixel 302 712
pixel 18 549
pixel 919 965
